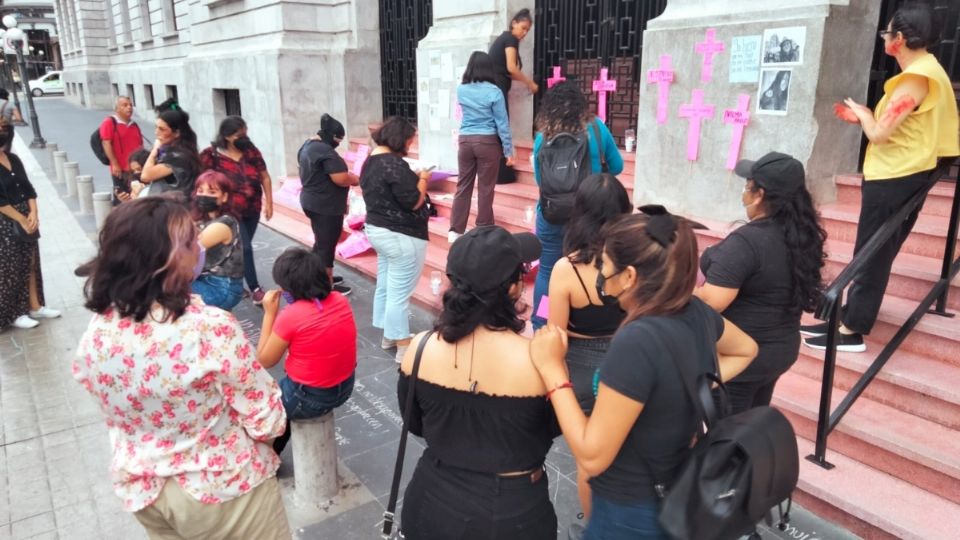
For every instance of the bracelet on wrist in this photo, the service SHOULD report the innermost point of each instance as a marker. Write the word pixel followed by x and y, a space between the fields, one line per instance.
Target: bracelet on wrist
pixel 560 386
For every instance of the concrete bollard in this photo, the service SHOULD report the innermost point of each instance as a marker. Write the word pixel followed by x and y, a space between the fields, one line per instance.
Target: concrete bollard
pixel 70 171
pixel 52 147
pixel 314 459
pixel 102 204
pixel 85 193
pixel 59 158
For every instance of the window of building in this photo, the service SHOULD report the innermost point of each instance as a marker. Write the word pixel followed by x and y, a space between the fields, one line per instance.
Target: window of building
pixel 111 25
pixel 169 16
pixel 148 96
pixel 116 90
pixel 146 28
pixel 124 7
pixel 171 91
pixel 130 94
pixel 227 101
pixel 83 98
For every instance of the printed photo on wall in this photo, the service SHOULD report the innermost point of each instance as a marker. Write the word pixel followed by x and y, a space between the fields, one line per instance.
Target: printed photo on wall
pixel 784 46
pixel 774 91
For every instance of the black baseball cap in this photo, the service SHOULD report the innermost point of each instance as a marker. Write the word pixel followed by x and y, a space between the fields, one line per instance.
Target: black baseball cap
pixel 488 256
pixel 774 171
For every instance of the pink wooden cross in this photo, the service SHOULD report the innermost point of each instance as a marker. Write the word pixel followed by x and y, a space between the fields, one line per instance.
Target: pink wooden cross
pixel 708 48
pixel 739 118
pixel 557 77
pixel 358 158
pixel 603 85
pixel 663 78
pixel 695 112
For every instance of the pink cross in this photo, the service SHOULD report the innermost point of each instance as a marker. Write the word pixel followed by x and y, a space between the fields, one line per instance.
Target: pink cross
pixel 603 85
pixel 358 158
pixel 739 118
pixel 695 112
pixel 663 78
pixel 708 48
pixel 556 77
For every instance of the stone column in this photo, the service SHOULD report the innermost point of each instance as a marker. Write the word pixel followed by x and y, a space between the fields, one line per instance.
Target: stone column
pixel 314 459
pixel 459 28
pixel 70 171
pixel 836 55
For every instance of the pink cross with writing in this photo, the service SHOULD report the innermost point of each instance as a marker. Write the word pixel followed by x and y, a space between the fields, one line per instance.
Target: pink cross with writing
pixel 708 48
pixel 738 118
pixel 556 77
pixel 695 112
pixel 663 78
pixel 603 85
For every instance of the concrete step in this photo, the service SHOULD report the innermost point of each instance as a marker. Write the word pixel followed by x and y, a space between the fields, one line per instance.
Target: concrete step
pixel 913 449
pixel 934 336
pixel 909 382
pixel 938 202
pixel 927 239
pixel 871 503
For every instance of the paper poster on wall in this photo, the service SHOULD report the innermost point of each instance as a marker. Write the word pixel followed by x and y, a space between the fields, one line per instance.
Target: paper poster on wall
pixel 443 102
pixel 446 68
pixel 745 59
pixel 784 46
pixel 435 67
pixel 774 91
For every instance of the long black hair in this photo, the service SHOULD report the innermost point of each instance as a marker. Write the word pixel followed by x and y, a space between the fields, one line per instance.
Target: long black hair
pixel 919 27
pixel 479 69
pixel 464 311
pixel 228 127
pixel 804 238
pixel 562 110
pixel 178 120
pixel 600 199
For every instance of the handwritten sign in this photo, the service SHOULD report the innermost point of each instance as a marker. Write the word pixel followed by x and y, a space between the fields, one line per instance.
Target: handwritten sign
pixel 738 118
pixel 709 48
pixel 695 112
pixel 663 78
pixel 745 59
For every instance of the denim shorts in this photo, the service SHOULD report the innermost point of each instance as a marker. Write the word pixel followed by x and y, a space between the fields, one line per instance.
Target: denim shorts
pixel 302 401
pixel 220 291
pixel 618 521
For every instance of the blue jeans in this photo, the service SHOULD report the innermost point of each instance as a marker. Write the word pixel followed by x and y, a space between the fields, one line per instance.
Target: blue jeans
pixel 220 291
pixel 400 261
pixel 614 521
pixel 248 227
pixel 551 241
pixel 302 402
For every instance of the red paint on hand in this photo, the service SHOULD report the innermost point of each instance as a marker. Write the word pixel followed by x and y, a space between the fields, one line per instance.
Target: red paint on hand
pixel 845 113
pixel 901 106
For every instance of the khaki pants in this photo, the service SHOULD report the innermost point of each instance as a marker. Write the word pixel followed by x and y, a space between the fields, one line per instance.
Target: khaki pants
pixel 257 515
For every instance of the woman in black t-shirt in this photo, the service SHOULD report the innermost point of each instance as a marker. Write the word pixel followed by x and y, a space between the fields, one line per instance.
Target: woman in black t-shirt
pixel 766 273
pixel 642 422
pixel 505 53
pixel 174 161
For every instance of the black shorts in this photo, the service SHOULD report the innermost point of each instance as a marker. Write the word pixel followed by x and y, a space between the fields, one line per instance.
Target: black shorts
pixel 326 234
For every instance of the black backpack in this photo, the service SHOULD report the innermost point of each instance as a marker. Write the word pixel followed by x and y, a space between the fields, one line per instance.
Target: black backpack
pixel 564 162
pixel 741 467
pixel 96 143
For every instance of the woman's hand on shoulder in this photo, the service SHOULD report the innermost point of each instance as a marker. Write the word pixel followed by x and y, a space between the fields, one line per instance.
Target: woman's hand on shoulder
pixel 548 348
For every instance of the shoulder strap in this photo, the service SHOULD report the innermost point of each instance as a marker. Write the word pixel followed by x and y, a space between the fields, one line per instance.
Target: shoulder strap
pixel 398 467
pixel 596 137
pixel 582 284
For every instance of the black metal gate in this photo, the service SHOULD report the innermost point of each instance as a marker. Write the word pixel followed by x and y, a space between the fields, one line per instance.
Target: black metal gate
pixel 581 36
pixel 403 23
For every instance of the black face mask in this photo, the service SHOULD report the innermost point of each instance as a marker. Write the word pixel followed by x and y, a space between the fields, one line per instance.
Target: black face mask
pixel 207 203
pixel 606 299
pixel 243 143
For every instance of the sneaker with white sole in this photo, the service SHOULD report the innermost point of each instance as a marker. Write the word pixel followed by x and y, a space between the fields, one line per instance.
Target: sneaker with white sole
pixel 845 342
pixel 25 322
pixel 814 330
pixel 452 236
pixel 44 313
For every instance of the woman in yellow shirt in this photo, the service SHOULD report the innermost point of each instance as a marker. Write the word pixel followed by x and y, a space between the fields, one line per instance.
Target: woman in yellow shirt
pixel 914 125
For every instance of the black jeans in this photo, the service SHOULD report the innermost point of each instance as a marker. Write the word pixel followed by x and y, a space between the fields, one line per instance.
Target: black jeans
pixel 248 227
pixel 326 234
pixel 447 503
pixel 880 200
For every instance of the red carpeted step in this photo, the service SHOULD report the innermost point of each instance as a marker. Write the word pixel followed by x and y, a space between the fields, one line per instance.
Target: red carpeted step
pixel 927 238
pixel 938 201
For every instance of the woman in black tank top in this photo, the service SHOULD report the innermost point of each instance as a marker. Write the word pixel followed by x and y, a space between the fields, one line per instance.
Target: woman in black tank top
pixel 574 305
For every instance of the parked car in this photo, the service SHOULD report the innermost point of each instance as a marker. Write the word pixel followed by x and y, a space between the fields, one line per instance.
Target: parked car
pixel 51 83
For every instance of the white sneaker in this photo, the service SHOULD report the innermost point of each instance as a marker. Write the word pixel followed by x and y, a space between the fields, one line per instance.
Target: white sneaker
pixel 452 236
pixel 25 322
pixel 45 313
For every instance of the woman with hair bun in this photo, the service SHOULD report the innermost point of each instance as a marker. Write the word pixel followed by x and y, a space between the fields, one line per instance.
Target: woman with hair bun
pixel 764 275
pixel 642 423
pixel 190 411
pixel 479 404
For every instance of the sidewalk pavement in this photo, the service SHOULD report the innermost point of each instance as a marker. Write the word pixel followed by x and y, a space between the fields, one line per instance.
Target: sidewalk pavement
pixel 55 447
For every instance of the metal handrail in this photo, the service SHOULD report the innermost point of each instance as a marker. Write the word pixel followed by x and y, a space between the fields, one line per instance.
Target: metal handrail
pixel 829 310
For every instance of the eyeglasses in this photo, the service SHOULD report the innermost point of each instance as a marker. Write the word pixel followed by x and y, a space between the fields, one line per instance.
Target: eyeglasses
pixel 884 33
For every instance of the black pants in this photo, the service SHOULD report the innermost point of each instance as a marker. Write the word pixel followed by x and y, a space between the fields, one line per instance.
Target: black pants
pixel 880 200
pixel 446 503
pixel 248 227
pixel 326 234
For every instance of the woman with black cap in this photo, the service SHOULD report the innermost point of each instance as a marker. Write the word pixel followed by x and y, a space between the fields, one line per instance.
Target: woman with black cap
pixel 479 403
pixel 765 274
pixel 326 183
pixel 641 426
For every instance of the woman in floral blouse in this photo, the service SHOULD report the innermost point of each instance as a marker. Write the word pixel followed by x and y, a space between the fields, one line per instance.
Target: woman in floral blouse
pixel 182 392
